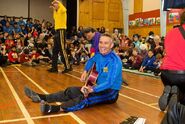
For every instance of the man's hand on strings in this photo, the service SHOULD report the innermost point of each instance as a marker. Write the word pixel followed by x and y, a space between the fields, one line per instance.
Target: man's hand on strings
pixel 86 90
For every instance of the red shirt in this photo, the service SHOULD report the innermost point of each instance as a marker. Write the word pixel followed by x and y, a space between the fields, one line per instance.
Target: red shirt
pixel 13 56
pixel 24 58
pixel 174 45
pixel 35 34
pixel 9 44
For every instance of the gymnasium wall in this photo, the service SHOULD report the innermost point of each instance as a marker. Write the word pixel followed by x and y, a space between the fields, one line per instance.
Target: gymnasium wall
pixel 146 8
pixel 97 13
pixel 108 13
pixel 14 8
pixel 131 6
pixel 39 9
pixel 149 5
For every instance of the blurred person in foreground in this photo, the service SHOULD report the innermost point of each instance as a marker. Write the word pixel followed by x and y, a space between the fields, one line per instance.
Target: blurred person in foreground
pixel 173 75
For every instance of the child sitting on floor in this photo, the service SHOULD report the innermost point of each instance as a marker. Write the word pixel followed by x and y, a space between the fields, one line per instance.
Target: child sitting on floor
pixel 148 63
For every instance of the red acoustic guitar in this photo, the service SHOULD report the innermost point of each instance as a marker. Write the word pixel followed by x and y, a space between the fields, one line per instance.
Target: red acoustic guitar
pixel 91 78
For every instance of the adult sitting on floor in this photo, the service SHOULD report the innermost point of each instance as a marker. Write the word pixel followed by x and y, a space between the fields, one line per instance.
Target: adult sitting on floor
pixel 106 90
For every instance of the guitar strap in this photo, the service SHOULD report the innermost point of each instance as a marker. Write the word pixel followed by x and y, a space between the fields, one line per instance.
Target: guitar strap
pixel 182 31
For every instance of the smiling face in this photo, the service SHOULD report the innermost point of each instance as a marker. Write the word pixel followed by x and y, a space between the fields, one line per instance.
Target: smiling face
pixel 105 45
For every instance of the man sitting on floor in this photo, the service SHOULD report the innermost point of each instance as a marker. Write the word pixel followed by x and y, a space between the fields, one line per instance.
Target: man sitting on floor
pixel 106 90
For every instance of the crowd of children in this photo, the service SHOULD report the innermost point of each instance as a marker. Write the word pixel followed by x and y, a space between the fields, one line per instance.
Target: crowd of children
pixel 141 53
pixel 30 42
pixel 25 42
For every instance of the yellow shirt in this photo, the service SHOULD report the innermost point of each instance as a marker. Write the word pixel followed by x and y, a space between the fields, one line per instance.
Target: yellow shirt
pixel 60 17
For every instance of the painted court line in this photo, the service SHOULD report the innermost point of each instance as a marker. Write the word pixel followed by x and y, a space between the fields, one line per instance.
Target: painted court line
pixel 140 73
pixel 129 88
pixel 10 71
pixel 35 118
pixel 139 101
pixel 123 95
pixel 51 116
pixel 72 114
pixel 45 92
pixel 18 100
pixel 12 120
pixel 153 104
pixel 141 91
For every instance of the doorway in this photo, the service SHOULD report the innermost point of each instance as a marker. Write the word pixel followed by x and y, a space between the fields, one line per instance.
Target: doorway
pixel 71 6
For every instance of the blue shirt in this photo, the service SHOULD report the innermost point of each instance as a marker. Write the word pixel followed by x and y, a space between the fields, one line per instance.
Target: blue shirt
pixel 3 22
pixel 12 22
pixel 17 30
pixel 149 62
pixel 109 68
pixel 21 22
pixel 30 25
pixel 9 30
pixel 137 44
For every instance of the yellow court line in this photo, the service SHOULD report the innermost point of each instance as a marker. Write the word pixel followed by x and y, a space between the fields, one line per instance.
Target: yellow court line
pixel 129 88
pixel 72 114
pixel 10 71
pixel 51 116
pixel 140 91
pixel 34 118
pixel 32 81
pixel 138 101
pixel 77 71
pixel 18 100
pixel 153 104
pixel 124 96
pixel 12 120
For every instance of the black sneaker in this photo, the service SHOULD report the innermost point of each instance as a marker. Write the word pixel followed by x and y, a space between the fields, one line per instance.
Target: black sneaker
pixel 47 109
pixel 174 98
pixel 52 70
pixel 70 69
pixel 125 83
pixel 65 71
pixel 31 94
pixel 164 99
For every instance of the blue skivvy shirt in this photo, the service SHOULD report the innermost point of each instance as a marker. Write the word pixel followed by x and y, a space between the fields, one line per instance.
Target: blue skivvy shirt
pixel 109 68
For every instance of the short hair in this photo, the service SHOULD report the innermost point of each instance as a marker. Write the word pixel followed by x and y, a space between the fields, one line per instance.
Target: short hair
pixel 151 33
pixel 13 47
pixel 26 51
pixel 107 35
pixel 158 56
pixel 136 35
pixel 88 29
pixel 34 49
pixel 150 50
pixel 135 49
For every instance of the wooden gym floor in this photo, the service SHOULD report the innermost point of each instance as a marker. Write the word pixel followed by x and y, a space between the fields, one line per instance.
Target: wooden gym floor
pixel 140 98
